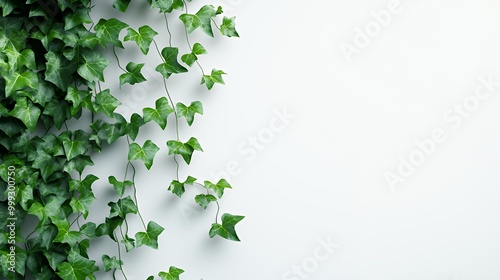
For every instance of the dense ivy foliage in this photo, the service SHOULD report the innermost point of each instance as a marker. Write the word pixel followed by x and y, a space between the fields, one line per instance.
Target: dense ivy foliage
pixel 52 64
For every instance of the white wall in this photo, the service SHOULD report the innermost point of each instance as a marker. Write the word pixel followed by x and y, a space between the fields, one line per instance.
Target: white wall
pixel 322 177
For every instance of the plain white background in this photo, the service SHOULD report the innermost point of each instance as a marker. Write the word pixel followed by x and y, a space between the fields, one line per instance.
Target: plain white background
pixel 321 175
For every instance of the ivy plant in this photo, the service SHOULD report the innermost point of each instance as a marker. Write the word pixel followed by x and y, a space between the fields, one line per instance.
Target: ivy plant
pixel 55 117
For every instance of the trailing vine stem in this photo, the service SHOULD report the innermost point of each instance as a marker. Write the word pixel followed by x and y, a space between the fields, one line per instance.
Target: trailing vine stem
pixel 134 187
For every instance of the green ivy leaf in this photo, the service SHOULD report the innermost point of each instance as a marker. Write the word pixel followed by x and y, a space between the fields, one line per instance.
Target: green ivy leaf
pixel 204 200
pixel 159 114
pixel 178 188
pixel 213 78
pixel 92 66
pixel 226 229
pixel 205 14
pixel 119 186
pixel 17 81
pixel 191 22
pixel 146 153
pixel 78 17
pixel 189 112
pixel 184 149
pixel 198 49
pixel 122 207
pixel 89 229
pixel 84 185
pixel 170 65
pixel 74 143
pixel 7 7
pixel 132 129
pixel 111 263
pixel 64 234
pixel 172 274
pixel 129 243
pixel 189 58
pixel 106 103
pixel 108 31
pixel 133 76
pixel 121 5
pixel 166 6
pixel 76 96
pixel 27 112
pixel 59 70
pixel 227 27
pixel 82 203
pixel 150 237
pixel 143 38
pixel 18 59
pixel 219 187
pixel 58 110
pixel 77 268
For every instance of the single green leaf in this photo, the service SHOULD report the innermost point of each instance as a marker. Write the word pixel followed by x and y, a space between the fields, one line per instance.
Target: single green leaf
pixel 7 7
pixel 111 263
pixel 178 188
pixel 193 142
pixel 198 49
pixel 143 38
pixel 106 103
pixel 80 16
pixel 133 76
pixel 166 6
pixel 204 200
pixel 205 14
pixel 84 185
pixel 77 268
pixel 172 274
pixel 184 149
pixel 119 186
pixel 122 207
pixel 213 78
pixel 89 229
pixel 146 153
pixel 92 66
pixel 129 243
pixel 159 114
pixel 189 112
pixel 64 234
pixel 150 237
pixel 59 70
pixel 132 129
pixel 78 163
pixel 191 22
pixel 82 203
pixel 170 65
pixel 58 110
pixel 226 229
pixel 17 81
pixel 74 143
pixel 76 96
pixel 219 187
pixel 189 58
pixel 27 112
pixel 227 27
pixel 108 31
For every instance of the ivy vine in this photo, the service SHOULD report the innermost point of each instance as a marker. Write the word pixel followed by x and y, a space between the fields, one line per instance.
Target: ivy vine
pixel 52 64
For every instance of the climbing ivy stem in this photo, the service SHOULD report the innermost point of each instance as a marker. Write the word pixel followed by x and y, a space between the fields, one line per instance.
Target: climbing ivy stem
pixel 168 30
pixel 120 257
pixel 118 60
pixel 135 188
